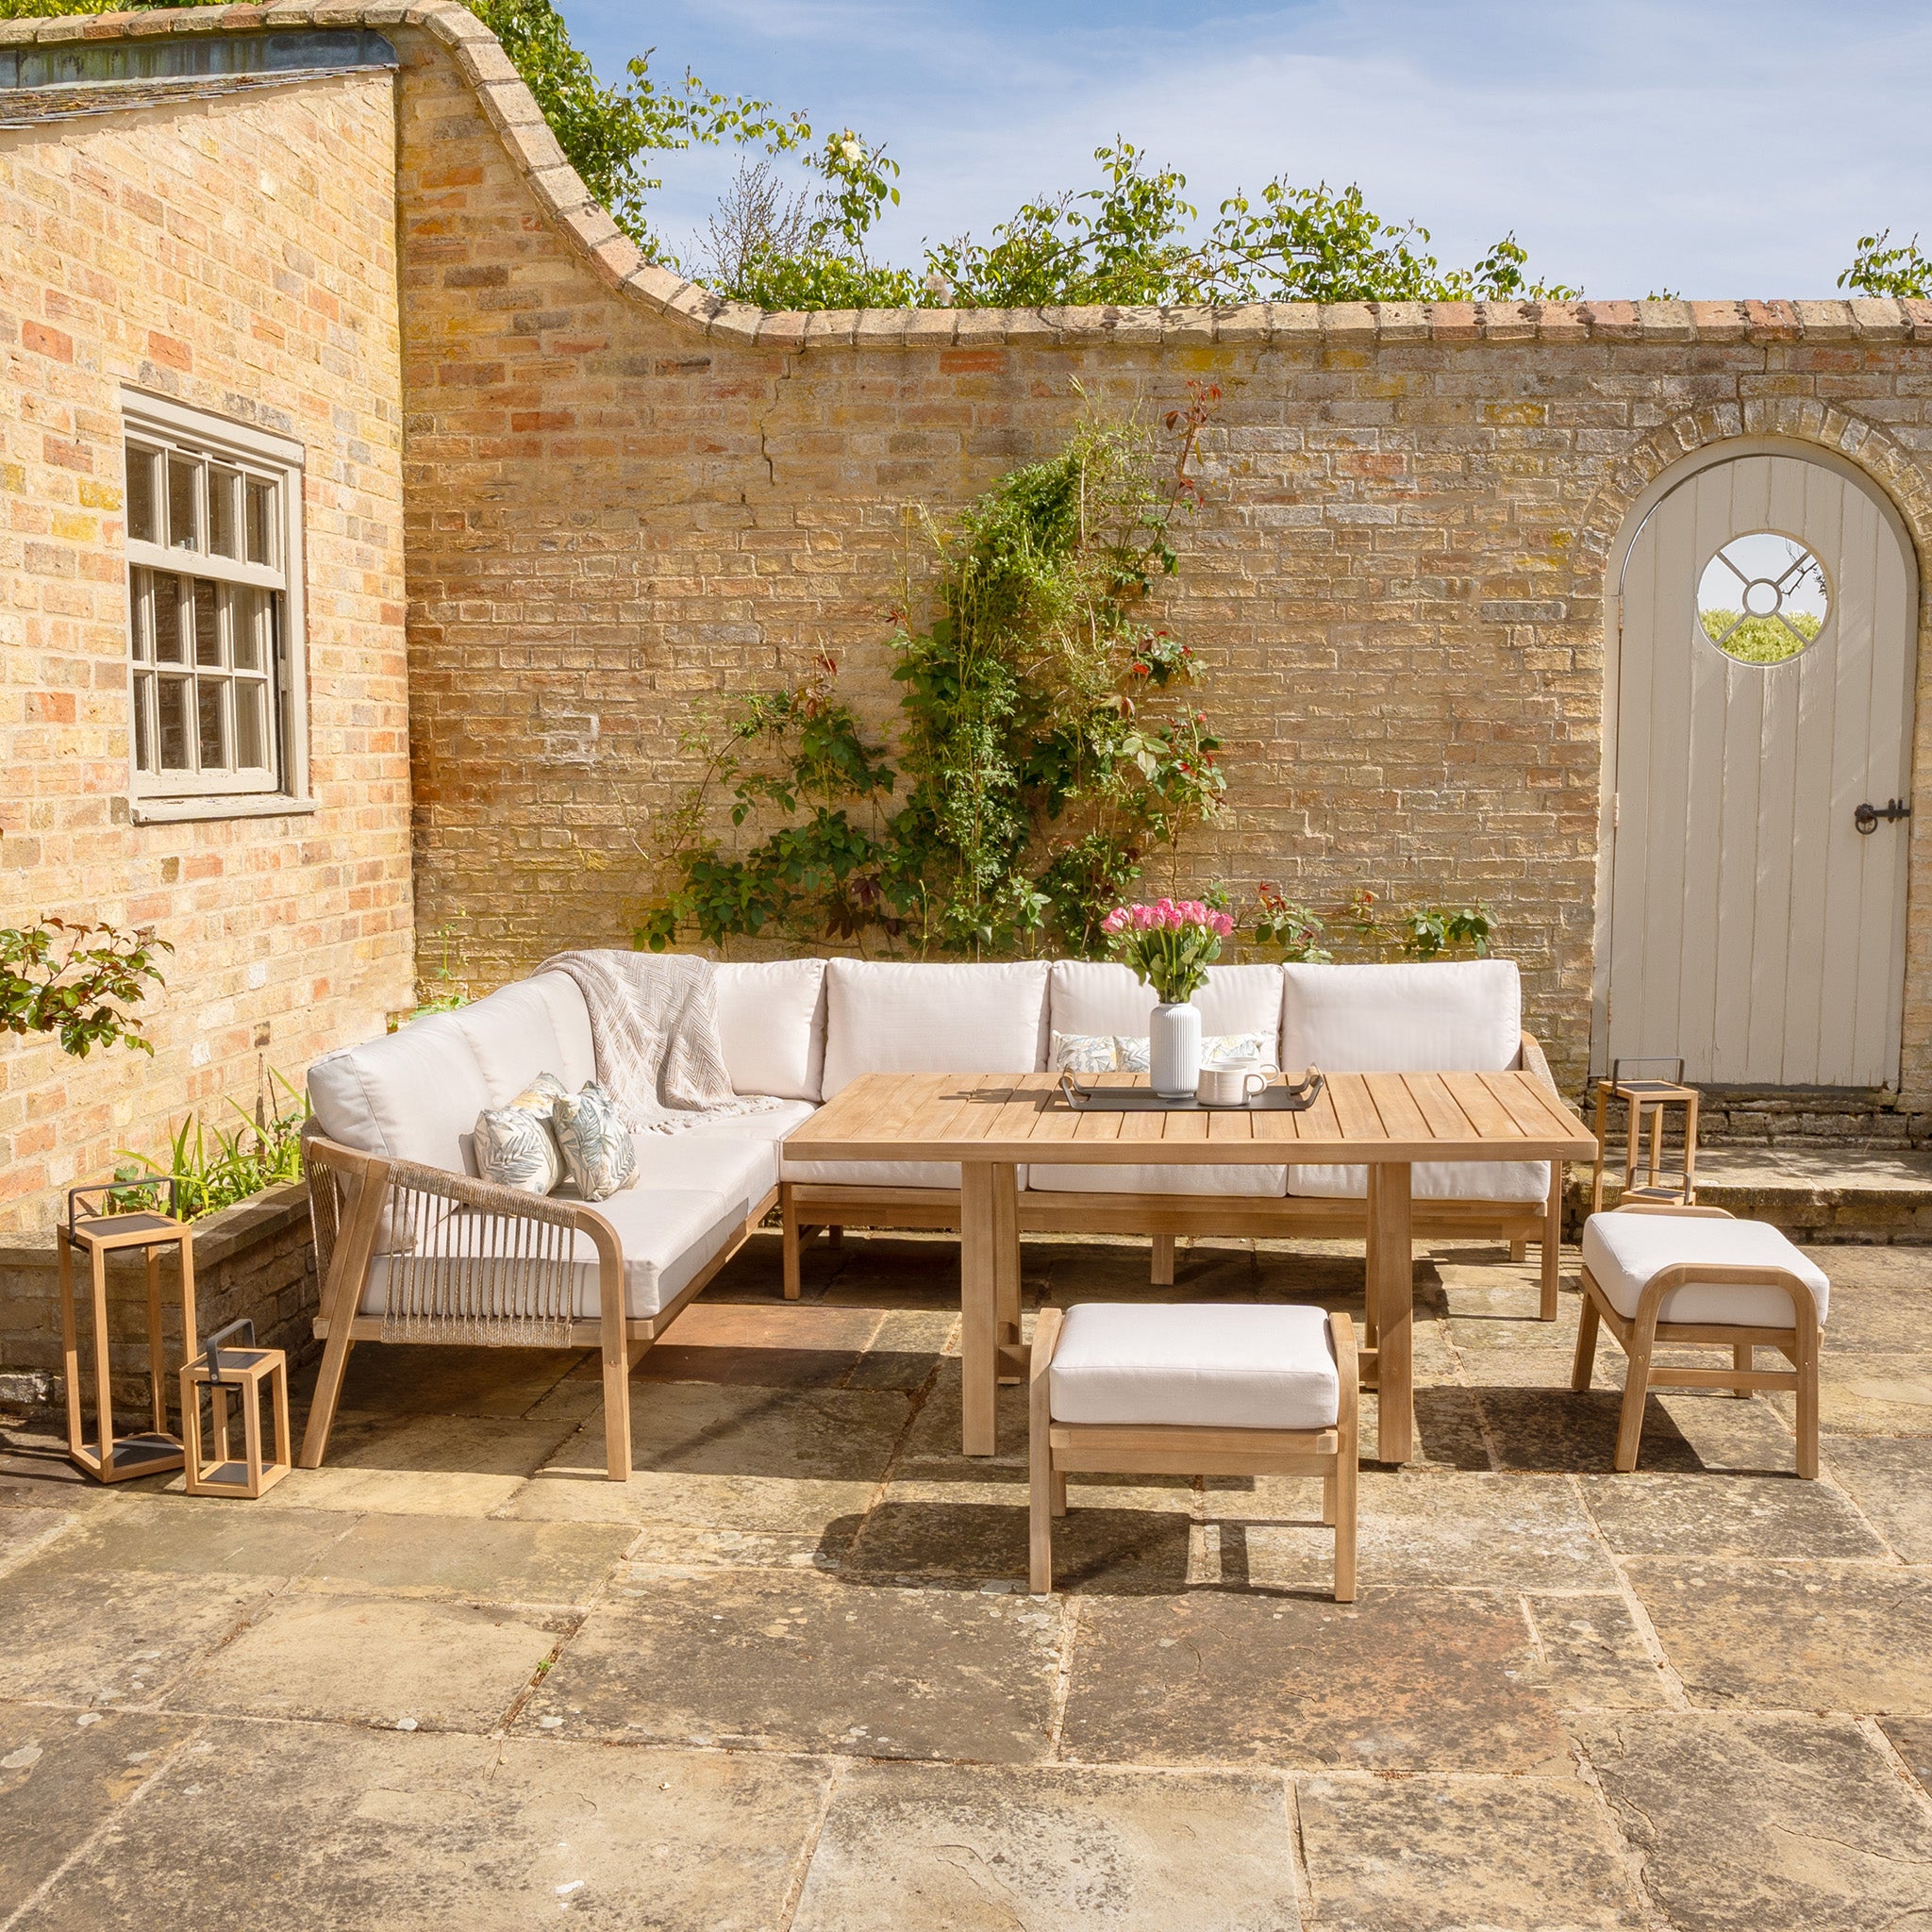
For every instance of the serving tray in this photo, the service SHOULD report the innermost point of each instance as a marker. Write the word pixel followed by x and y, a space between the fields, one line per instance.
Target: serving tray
pixel 1285 1096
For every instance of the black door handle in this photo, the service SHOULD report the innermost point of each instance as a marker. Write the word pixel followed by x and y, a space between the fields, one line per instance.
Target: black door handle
pixel 1867 816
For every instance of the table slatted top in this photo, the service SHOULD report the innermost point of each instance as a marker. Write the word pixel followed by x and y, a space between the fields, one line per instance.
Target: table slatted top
pixel 1359 1119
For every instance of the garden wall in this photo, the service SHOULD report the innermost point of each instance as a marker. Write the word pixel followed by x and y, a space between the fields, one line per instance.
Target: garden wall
pixel 235 252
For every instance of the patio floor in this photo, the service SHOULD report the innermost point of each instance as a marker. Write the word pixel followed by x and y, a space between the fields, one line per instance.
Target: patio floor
pixel 788 1675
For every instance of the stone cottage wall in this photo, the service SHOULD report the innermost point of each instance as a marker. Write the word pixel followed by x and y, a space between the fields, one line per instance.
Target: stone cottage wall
pixel 236 253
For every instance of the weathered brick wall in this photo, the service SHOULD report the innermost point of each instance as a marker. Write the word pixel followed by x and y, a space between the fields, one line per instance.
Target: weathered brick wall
pixel 238 255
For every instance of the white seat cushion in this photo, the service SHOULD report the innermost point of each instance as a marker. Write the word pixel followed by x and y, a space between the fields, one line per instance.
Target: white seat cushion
pixel 772 1025
pixel 885 1018
pixel 708 1160
pixel 1195 1365
pixel 877 1174
pixel 1433 1180
pixel 1102 996
pixel 1623 1251
pixel 1270 1182
pixel 668 1235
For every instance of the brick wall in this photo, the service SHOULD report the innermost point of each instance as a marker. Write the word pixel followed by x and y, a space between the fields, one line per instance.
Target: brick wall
pixel 236 253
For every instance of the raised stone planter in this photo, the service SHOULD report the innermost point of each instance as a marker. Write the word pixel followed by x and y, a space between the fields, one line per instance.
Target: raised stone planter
pixel 256 1258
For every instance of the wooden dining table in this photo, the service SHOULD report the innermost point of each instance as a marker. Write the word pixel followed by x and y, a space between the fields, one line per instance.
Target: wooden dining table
pixel 992 1123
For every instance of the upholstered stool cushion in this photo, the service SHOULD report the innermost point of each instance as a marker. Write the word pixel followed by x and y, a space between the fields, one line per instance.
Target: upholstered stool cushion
pixel 1623 1251
pixel 1208 1365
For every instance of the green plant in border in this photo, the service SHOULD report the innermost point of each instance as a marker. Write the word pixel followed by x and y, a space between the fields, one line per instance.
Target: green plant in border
pixel 1040 760
pixel 264 1150
pixel 73 980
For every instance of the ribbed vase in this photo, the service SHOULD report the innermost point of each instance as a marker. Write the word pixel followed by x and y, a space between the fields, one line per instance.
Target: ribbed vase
pixel 1173 1051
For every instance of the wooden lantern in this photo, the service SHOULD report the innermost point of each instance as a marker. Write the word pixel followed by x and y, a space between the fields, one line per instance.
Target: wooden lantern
pixel 101 1222
pixel 242 1371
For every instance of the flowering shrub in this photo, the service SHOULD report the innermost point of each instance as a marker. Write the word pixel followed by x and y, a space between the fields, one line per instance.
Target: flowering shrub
pixel 1170 946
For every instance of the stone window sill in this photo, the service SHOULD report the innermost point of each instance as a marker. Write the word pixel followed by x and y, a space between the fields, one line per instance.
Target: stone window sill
pixel 175 812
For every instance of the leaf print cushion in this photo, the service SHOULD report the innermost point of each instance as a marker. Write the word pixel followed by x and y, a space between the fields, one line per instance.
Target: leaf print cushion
pixel 595 1142
pixel 515 1147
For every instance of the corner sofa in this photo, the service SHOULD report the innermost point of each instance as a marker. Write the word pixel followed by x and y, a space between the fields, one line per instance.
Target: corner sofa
pixel 413 1247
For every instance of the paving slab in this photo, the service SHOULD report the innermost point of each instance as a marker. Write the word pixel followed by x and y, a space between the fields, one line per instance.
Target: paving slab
pixel 27 1532
pixel 1911 1738
pixel 94 1638
pixel 376 1661
pixel 427 1378
pixel 1726 1515
pixel 60 1777
pixel 194 1536
pixel 1850 1637
pixel 1891 1480
pixel 724 1456
pixel 906 1348
pixel 425 1465
pixel 1432 1528
pixel 1870 1394
pixel 1536 1368
pixel 678 1547
pixel 1590 1656
pixel 1449 1431
pixel 1404 1681
pixel 37 1473
pixel 1552 1429
pixel 1431 1854
pixel 1881 1300
pixel 804 1662
pixel 792 1345
pixel 476 1561
pixel 1114 1537
pixel 983 1849
pixel 1747 1823
pixel 314 1829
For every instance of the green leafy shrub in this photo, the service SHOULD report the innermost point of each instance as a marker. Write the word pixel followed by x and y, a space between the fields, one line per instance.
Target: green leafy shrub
pixel 73 980
pixel 214 1167
pixel 1293 932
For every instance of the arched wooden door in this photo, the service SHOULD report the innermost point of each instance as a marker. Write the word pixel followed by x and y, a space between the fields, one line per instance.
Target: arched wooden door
pixel 1768 614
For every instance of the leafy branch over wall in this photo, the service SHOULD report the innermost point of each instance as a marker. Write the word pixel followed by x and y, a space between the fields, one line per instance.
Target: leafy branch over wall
pixel 1045 752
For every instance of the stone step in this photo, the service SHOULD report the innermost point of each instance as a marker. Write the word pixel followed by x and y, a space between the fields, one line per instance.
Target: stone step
pixel 1813 1193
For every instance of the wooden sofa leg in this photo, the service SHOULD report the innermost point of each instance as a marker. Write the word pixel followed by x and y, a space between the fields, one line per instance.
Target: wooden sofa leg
pixel 1519 1250
pixel 1635 1389
pixel 792 1240
pixel 328 1391
pixel 617 1418
pixel 1584 1365
pixel 1743 1359
pixel 1808 1410
pixel 1160 1273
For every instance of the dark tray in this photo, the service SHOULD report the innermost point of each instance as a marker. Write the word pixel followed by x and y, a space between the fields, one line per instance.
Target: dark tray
pixel 1280 1097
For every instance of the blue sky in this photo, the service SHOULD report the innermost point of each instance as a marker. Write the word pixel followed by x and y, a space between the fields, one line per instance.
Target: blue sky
pixel 1709 148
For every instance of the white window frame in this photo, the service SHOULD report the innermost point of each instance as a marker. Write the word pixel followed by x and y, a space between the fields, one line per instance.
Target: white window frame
pixel 155 423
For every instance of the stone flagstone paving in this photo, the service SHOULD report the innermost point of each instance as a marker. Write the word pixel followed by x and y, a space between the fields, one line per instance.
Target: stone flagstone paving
pixel 789 1676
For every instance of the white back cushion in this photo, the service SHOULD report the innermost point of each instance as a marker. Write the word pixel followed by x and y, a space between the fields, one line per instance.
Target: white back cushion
pixel 772 1023
pixel 1465 1016
pixel 412 1096
pixel 885 1018
pixel 533 1026
pixel 1102 996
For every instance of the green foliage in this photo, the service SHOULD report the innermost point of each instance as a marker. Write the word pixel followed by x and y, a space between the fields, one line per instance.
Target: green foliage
pixel 73 980
pixel 50 9
pixel 1899 270
pixel 264 1150
pixel 1760 640
pixel 1040 755
pixel 1421 933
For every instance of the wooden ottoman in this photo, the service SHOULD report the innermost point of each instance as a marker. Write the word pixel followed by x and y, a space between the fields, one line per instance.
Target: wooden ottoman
pixel 1193 1388
pixel 1654 1274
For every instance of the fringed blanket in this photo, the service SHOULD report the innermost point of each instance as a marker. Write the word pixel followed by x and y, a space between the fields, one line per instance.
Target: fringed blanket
pixel 654 1027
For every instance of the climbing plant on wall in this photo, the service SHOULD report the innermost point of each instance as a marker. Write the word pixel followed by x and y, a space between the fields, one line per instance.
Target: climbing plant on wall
pixel 1046 750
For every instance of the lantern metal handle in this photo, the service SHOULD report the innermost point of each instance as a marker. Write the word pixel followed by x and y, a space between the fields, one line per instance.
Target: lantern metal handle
pixel 212 1353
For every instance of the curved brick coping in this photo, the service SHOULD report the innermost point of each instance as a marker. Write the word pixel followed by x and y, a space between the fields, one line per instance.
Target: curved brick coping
pixel 617 259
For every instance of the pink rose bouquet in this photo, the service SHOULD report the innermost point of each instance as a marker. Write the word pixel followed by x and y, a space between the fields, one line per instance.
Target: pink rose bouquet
pixel 1170 944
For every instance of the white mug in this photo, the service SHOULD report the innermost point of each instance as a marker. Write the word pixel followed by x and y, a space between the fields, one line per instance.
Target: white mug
pixel 1230 1086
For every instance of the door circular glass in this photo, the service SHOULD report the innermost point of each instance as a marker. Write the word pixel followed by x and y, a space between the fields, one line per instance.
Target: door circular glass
pixel 1762 598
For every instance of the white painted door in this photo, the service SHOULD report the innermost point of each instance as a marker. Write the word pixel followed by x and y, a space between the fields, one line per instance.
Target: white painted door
pixel 1753 927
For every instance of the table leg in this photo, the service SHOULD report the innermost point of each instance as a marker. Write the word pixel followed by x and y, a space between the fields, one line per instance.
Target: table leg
pixel 989 1256
pixel 1392 1294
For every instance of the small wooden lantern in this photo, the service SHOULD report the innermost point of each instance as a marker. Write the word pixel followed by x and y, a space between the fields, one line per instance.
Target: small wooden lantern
pixel 99 1222
pixel 243 1371
pixel 1642 1092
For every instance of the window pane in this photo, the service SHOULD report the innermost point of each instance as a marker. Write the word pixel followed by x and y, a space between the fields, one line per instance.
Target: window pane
pixel 167 612
pixel 184 531
pixel 224 506
pixel 141 494
pixel 143 736
pixel 138 594
pixel 246 607
pixel 177 750
pixel 214 755
pixel 262 517
pixel 207 637
pixel 251 723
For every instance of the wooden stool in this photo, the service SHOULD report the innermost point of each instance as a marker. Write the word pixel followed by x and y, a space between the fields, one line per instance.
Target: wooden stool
pixel 98 1227
pixel 243 1371
pixel 1202 1388
pixel 1737 1284
pixel 1643 1095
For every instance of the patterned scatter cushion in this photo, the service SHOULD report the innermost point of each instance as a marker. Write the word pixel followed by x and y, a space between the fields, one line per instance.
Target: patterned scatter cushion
pixel 1084 1052
pixel 1126 1053
pixel 595 1142
pixel 1237 1046
pixel 515 1147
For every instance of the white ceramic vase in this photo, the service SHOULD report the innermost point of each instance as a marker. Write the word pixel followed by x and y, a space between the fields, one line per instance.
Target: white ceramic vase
pixel 1173 1050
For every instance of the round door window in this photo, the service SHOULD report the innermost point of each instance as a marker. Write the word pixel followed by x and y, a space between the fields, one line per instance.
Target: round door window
pixel 1762 598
